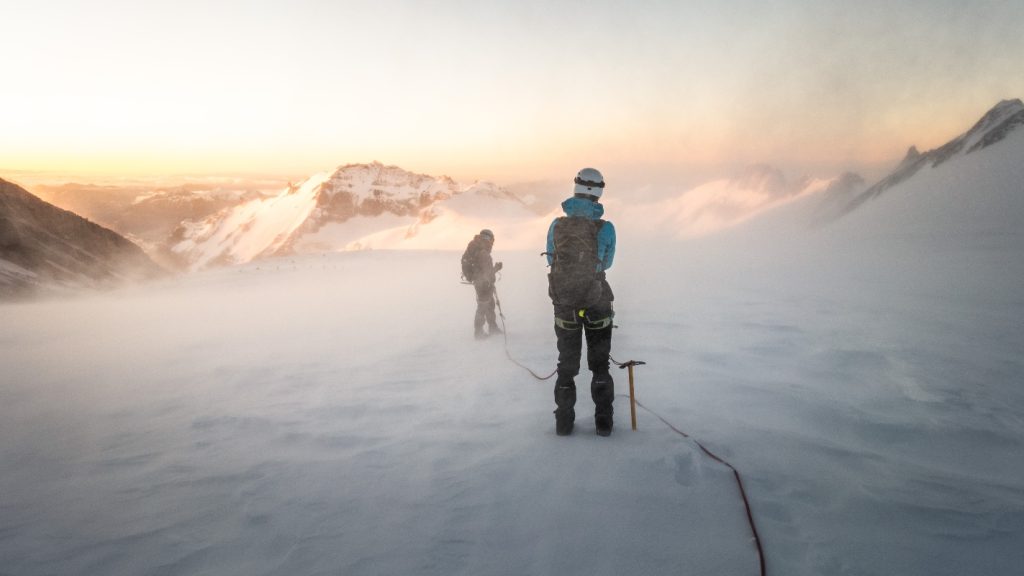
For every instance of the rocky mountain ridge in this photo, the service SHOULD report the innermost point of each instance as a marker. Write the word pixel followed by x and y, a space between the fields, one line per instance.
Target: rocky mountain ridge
pixel 43 246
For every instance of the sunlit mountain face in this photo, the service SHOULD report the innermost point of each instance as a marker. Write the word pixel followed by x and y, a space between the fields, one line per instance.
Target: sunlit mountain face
pixel 357 206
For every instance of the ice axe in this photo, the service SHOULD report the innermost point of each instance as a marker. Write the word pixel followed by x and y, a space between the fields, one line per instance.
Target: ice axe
pixel 632 396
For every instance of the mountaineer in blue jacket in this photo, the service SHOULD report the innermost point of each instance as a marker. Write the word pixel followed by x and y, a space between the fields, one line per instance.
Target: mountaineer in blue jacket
pixel 580 249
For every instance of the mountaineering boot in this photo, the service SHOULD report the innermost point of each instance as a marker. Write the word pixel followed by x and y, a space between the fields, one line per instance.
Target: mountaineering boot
pixel 478 333
pixel 494 331
pixel 565 400
pixel 563 423
pixel 602 389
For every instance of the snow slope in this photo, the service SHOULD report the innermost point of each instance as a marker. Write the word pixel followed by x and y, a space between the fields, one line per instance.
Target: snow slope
pixel 978 197
pixel 965 193
pixel 326 418
pixel 1004 119
pixel 333 414
pixel 256 227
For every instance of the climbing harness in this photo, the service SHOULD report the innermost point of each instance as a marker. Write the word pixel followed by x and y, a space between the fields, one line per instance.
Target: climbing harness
pixel 629 365
pixel 574 324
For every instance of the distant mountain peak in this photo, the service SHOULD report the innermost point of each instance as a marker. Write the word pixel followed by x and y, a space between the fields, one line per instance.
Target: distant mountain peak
pixel 1004 109
pixel 1002 119
pixel 310 212
pixel 993 127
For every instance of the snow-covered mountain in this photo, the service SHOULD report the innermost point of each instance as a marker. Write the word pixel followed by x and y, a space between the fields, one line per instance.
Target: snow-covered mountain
pixel 994 127
pixel 42 246
pixel 373 206
pixel 356 206
pixel 969 200
pixel 969 190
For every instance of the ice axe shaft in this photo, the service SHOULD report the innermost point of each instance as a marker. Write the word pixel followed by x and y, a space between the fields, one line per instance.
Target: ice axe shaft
pixel 632 400
pixel 632 393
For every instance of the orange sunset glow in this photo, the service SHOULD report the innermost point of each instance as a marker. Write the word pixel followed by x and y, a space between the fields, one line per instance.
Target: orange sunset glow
pixel 500 90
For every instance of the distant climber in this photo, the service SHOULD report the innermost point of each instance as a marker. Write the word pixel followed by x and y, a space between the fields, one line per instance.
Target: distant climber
pixel 580 249
pixel 479 269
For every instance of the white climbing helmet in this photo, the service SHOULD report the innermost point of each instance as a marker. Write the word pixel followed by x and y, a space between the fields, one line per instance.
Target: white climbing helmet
pixel 590 182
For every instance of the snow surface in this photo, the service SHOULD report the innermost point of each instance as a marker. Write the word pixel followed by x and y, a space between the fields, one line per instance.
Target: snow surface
pixel 332 414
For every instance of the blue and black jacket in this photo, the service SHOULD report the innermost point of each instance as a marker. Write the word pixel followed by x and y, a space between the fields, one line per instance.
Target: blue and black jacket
pixel 576 206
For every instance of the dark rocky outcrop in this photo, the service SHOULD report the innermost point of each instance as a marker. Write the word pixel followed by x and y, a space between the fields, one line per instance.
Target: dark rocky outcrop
pixel 42 245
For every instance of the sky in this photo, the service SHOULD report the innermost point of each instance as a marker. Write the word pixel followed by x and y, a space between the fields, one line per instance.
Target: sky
pixel 508 91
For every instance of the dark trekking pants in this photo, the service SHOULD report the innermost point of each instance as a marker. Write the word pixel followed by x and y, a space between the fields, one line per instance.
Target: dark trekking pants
pixel 570 329
pixel 484 306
